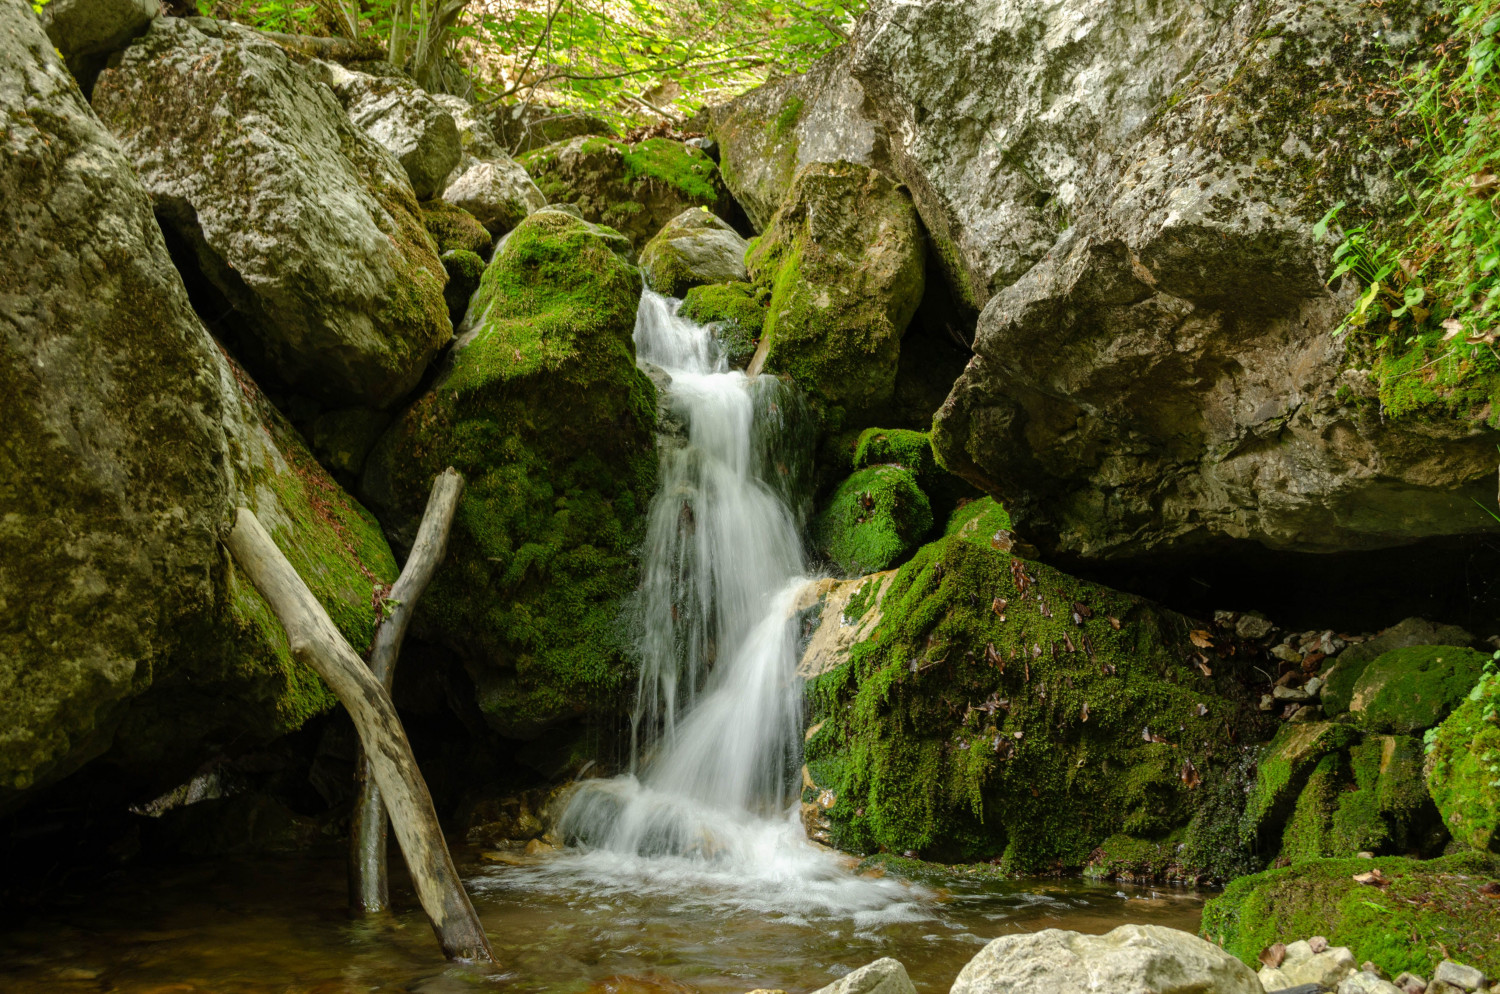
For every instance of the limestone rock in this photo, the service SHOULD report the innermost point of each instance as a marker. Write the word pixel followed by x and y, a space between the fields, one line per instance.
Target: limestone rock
pixel 695 248
pixel 836 625
pixel 525 127
pixel 409 123
pixel 304 224
pixel 843 260
pixel 1130 958
pixel 86 32
pixel 735 312
pixel 1327 968
pixel 1367 983
pixel 767 135
pixel 1459 975
pixel 884 976
pixel 541 407
pixel 635 188
pixel 497 191
pixel 474 134
pixel 1411 690
pixel 128 440
pixel 1350 664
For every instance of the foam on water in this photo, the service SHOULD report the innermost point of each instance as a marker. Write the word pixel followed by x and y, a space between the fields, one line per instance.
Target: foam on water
pixel 709 811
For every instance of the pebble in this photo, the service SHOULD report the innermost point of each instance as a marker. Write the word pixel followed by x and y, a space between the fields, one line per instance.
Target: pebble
pixel 1313 686
pixel 1458 975
pixel 1289 694
pixel 1411 983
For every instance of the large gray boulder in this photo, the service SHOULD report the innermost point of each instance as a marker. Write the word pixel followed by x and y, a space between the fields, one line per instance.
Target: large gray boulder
pixel 127 439
pixel 306 225
pixel 1155 368
pixel 409 123
pixel 1132 959
pixel 884 976
pixel 695 248
pixel 487 182
pixel 767 135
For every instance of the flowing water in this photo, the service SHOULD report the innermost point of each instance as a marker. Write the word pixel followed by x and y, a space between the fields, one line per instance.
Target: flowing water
pixel 691 869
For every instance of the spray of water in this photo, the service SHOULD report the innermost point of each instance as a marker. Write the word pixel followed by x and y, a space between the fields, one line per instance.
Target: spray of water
pixel 710 803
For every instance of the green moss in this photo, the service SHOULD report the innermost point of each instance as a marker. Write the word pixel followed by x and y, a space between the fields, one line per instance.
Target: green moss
pixel 1338 689
pixel 737 312
pixel 464 271
pixel 843 291
pixel 556 494
pixel 1283 771
pixel 909 449
pixel 978 521
pixel 1125 857
pixel 662 160
pixel 873 520
pixel 1309 831
pixel 454 228
pixel 936 746
pixel 1429 911
pixel 1464 766
pixel 786 120
pixel 1412 689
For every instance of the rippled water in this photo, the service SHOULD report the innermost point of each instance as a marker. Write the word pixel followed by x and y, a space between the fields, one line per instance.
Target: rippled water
pixel 567 923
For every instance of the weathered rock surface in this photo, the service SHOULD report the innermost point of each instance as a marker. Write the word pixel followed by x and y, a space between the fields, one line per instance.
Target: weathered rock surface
pixel 843 260
pixel 884 976
pixel 487 182
pixel 541 407
pixel 1411 690
pixel 1130 958
pixel 695 248
pixel 300 220
pixel 768 134
pixel 87 31
pixel 525 127
pixel 127 440
pixel 635 188
pixel 1350 664
pixel 403 118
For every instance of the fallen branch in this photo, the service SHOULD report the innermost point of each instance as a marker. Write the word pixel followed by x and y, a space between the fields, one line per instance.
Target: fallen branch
pixel 316 642
pixel 369 890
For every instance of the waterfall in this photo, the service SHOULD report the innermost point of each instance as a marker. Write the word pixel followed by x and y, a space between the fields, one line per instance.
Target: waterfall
pixel 711 799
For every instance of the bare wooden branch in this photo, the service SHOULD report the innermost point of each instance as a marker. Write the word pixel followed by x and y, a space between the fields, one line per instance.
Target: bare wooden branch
pixel 316 642
pixel 369 889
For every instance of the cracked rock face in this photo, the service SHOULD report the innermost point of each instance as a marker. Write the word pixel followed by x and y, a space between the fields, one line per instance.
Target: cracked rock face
pixel 1127 195
pixel 412 126
pixel 304 224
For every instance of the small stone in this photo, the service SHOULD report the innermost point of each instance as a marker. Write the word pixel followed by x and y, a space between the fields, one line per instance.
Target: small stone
pixel 1411 983
pixel 1368 855
pixel 1267 702
pixel 1298 952
pixel 1253 626
pixel 1317 944
pixel 1458 975
pixel 1307 714
pixel 1367 983
pixel 1313 686
pixel 536 847
pixel 1289 694
pixel 1368 966
pixel 1286 653
pixel 1273 979
pixel 1327 968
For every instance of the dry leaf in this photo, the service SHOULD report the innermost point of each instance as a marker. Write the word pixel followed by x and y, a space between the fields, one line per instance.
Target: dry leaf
pixel 1189 774
pixel 1373 878
pixel 1202 663
pixel 1273 956
pixel 1201 639
pixel 998 605
pixel 1085 715
pixel 1452 327
pixel 1114 623
pixel 1202 710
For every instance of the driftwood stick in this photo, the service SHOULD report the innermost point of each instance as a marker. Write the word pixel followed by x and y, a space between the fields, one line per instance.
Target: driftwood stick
pixel 369 889
pixel 316 642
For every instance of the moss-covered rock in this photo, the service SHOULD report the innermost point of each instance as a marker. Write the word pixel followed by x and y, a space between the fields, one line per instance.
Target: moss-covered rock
pixel 1411 690
pixel 392 109
pixel 983 522
pixel 1429 911
pixel 1350 665
pixel 1283 771
pixel 453 228
pixel 736 311
pixel 1127 858
pixel 843 260
pixel 306 225
pixel 556 494
pixel 896 447
pixel 1003 709
pixel 695 248
pixel 1463 766
pixel 873 520
pixel 465 269
pixel 635 188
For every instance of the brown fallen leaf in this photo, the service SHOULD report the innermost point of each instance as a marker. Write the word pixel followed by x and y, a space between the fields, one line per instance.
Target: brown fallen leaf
pixel 1085 715
pixel 1202 663
pixel 1068 641
pixel 1189 774
pixel 1114 623
pixel 1373 878
pixel 1491 889
pixel 998 605
pixel 993 657
pixel 1273 956
pixel 1201 639
pixel 1483 184
pixel 1452 327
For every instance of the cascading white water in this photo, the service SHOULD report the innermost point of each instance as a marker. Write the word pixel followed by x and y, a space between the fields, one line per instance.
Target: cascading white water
pixel 710 802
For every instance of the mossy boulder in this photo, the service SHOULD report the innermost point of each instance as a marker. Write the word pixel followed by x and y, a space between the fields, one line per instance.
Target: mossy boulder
pixel 392 109
pixel 843 262
pixel 1411 690
pixel 983 522
pixel 1283 770
pixel 910 450
pixel 543 543
pixel 453 228
pixel 1127 858
pixel 873 520
pixel 636 188
pixel 465 269
pixel 302 222
pixel 695 248
pixel 1463 766
pixel 1001 709
pixel 525 127
pixel 735 311
pixel 143 647
pixel 1428 911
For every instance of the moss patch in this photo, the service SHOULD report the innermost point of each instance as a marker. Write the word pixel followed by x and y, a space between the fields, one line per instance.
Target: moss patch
pixel 465 269
pixel 737 312
pixel 980 720
pixel 873 520
pixel 1464 766
pixel 454 228
pixel 1412 689
pixel 542 551
pixel 1429 911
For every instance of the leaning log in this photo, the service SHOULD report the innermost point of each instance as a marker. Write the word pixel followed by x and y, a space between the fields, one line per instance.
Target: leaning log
pixel 369 890
pixel 316 642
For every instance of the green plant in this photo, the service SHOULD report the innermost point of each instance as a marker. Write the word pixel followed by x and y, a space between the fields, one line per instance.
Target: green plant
pixel 1424 319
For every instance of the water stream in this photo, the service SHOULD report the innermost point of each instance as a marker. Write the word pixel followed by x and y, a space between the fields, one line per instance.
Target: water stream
pixel 691 869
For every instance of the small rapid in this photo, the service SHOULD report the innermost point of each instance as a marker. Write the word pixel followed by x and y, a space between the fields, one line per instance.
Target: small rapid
pixel 710 805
